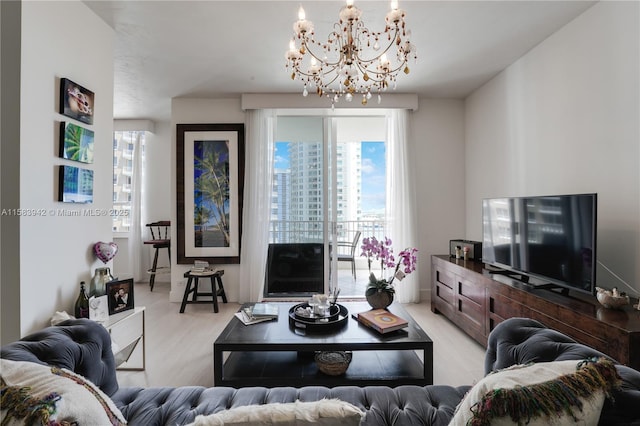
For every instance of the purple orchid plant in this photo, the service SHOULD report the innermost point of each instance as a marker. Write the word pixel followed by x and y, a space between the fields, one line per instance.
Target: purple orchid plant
pixel 382 251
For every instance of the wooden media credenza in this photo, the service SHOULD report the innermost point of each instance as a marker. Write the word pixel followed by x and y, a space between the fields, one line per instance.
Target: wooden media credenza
pixel 477 301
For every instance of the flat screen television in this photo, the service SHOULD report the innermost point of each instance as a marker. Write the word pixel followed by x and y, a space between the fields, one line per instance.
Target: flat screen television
pixel 551 239
pixel 294 269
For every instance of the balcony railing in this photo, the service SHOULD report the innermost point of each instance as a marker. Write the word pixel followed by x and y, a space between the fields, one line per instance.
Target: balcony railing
pixel 290 231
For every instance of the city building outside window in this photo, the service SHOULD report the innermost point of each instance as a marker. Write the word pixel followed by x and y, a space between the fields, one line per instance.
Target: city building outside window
pixel 124 143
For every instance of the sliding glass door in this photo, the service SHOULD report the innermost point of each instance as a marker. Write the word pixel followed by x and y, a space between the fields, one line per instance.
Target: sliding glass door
pixel 318 209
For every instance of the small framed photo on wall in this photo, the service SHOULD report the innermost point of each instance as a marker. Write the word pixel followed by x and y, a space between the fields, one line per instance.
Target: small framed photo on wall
pixel 76 101
pixel 75 185
pixel 120 296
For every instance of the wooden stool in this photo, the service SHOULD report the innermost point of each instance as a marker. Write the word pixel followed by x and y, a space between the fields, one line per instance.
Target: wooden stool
pixel 162 241
pixel 192 287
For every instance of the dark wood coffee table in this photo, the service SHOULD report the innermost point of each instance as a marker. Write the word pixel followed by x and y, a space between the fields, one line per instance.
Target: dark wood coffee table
pixel 274 353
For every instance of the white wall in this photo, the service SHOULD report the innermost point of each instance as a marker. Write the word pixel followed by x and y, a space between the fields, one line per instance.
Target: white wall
pixel 565 119
pixel 56 250
pixel 437 149
pixel 192 111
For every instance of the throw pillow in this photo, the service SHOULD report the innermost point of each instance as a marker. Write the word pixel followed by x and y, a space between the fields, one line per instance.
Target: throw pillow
pixel 546 393
pixel 38 394
pixel 323 412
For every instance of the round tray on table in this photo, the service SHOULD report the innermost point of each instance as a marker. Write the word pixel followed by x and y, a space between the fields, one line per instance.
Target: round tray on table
pixel 337 317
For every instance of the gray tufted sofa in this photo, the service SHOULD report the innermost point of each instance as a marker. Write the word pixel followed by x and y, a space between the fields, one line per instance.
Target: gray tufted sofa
pixel 85 347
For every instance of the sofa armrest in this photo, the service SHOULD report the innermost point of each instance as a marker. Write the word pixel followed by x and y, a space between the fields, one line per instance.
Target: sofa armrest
pixel 80 345
pixel 524 340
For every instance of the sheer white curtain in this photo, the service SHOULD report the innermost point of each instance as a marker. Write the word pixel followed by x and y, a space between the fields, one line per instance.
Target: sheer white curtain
pixel 256 210
pixel 136 226
pixel 401 204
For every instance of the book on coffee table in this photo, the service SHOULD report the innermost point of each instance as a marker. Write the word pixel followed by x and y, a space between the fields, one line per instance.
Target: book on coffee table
pixel 244 315
pixel 381 320
pixel 264 310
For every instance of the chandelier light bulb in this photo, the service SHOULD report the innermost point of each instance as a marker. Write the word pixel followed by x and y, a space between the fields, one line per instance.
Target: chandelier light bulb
pixel 349 3
pixel 394 4
pixel 301 14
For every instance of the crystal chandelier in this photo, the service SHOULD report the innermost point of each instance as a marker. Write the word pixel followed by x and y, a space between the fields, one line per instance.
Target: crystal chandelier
pixel 353 60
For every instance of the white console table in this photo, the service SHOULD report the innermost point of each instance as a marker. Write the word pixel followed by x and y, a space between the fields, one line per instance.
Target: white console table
pixel 127 333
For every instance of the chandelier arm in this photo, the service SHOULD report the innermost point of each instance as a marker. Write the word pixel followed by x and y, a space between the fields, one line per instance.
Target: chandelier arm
pixel 385 50
pixel 374 75
pixel 314 77
pixel 318 58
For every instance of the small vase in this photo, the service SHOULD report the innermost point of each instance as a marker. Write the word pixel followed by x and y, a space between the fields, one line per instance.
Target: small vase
pixel 99 282
pixel 380 299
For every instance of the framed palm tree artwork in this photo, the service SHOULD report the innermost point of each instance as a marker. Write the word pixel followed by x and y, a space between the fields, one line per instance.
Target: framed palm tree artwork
pixel 76 143
pixel 210 181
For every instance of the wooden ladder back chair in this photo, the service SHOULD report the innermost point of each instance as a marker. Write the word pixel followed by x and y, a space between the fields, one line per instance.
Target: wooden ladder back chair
pixel 159 241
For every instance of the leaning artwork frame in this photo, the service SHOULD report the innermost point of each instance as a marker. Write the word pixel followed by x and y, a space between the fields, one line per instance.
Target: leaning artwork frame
pixel 120 296
pixel 209 189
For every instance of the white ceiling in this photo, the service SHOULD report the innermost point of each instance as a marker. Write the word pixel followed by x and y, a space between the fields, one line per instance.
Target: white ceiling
pixel 166 49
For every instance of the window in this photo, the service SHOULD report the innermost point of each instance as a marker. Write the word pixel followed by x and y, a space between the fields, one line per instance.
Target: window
pixel 124 143
pixel 355 201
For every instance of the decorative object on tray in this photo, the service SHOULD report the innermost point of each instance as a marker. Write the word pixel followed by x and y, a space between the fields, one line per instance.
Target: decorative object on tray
pixel 333 363
pixel 612 299
pixel 381 320
pixel 336 318
pixel 312 313
pixel 380 291
pixel 318 306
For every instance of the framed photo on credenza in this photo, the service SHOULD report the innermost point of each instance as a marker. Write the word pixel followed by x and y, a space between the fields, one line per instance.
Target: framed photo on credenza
pixel 120 296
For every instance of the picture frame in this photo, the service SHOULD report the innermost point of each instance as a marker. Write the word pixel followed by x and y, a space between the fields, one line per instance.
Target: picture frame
pixel 209 189
pixel 98 308
pixel 120 296
pixel 75 185
pixel 76 143
pixel 76 101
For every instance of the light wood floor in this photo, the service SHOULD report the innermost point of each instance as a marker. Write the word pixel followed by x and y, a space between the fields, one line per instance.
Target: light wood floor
pixel 179 347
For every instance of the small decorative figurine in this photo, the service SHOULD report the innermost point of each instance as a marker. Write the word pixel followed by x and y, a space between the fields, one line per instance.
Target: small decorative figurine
pixel 612 299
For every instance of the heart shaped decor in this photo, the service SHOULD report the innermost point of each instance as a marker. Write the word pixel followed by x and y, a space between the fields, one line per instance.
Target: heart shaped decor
pixel 105 251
